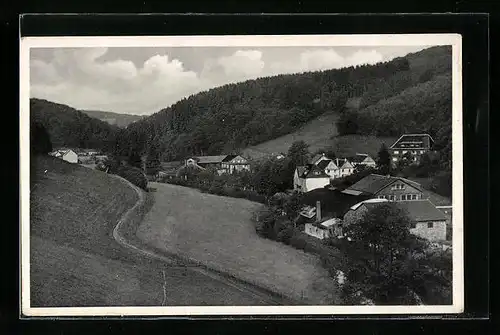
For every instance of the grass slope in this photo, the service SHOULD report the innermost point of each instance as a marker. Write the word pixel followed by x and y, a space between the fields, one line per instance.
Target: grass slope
pixel 218 232
pixel 74 260
pixel 321 133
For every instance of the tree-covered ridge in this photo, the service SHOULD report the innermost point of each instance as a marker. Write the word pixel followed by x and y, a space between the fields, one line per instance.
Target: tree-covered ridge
pixel 234 116
pixel 68 127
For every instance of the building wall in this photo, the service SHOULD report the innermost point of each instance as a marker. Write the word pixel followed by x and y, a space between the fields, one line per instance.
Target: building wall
pixel 314 183
pixel 397 193
pixel 314 231
pixel 397 154
pixel 71 157
pixel 435 233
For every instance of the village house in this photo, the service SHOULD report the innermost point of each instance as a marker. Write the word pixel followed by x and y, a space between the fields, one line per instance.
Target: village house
pixel 362 159
pixel 323 210
pixel 309 177
pixel 170 170
pixel 335 168
pixel 427 221
pixel 65 154
pixel 222 163
pixel 387 187
pixel 319 227
pixel 415 144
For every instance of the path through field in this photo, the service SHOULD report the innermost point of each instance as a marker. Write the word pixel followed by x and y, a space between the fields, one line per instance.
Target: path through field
pixel 75 262
pixel 218 232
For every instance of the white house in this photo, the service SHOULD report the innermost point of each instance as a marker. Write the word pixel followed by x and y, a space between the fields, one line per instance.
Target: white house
pixel 362 159
pixel 345 167
pixel 308 178
pixel 66 154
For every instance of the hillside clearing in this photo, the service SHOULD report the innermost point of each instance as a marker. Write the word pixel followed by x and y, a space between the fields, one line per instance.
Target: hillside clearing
pixel 218 232
pixel 74 260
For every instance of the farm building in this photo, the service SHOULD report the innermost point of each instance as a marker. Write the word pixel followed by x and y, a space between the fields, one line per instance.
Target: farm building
pixel 387 187
pixel 414 144
pixel 222 163
pixel 362 159
pixel 65 154
pixel 428 221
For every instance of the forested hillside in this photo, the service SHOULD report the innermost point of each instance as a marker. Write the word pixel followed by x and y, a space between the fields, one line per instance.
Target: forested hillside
pixel 68 127
pixel 232 117
pixel 120 120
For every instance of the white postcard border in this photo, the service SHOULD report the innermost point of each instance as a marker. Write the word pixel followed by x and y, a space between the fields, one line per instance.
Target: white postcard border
pixel 26 43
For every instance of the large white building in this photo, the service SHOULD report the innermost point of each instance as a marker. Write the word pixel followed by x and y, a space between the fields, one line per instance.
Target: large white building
pixel 66 154
pixel 309 177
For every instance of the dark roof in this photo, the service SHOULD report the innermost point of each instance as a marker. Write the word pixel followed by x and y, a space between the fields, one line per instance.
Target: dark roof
pixel 322 165
pixel 373 183
pixel 422 210
pixel 420 140
pixel 210 159
pixel 231 157
pixel 333 203
pixel 315 172
pixel 316 158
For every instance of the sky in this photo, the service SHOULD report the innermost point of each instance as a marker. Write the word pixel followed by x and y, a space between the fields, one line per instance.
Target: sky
pixel 144 80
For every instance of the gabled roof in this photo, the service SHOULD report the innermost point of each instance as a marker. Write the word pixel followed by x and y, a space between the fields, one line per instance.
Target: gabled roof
pixel 333 203
pixel 324 163
pixel 231 157
pixel 316 158
pixel 422 210
pixel 301 170
pixel 373 183
pixel 408 139
pixel 367 202
pixel 315 172
pixel 209 159
pixel 343 163
pixel 358 158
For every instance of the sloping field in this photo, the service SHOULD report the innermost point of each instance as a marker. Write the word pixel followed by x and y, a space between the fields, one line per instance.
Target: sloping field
pixel 218 232
pixel 74 260
pixel 316 133
pixel 321 133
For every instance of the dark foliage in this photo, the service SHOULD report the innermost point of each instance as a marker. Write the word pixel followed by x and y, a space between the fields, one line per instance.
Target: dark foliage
pixel 39 139
pixel 69 127
pixel 235 116
pixel 134 175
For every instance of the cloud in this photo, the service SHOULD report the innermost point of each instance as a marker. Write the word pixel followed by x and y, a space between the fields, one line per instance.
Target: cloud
pixel 91 78
pixel 241 65
pixel 78 78
pixel 324 59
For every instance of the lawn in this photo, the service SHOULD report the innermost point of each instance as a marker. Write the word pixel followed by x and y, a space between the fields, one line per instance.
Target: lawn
pixel 74 260
pixel 218 232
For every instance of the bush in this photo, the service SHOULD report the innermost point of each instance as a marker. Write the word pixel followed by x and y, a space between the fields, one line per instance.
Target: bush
pixel 133 175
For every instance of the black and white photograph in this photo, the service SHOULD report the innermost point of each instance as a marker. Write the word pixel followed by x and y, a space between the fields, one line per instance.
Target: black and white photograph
pixel 241 175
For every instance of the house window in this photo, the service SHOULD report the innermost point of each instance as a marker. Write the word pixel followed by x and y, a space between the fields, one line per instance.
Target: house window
pixel 413 225
pixel 421 151
pixel 413 197
pixel 404 151
pixel 392 198
pixel 394 159
pixel 403 197
pixel 396 152
pixel 381 196
pixel 430 224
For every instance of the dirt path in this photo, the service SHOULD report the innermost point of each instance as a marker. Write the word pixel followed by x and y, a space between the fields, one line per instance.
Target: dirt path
pixel 259 295
pixel 217 232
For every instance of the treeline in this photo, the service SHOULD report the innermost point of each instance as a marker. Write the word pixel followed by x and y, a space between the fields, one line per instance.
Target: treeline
pixel 229 118
pixel 68 127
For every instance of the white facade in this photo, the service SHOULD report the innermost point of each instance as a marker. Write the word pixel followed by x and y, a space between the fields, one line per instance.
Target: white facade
pixel 314 183
pixel 313 230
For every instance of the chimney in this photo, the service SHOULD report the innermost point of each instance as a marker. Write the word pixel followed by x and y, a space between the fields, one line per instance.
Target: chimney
pixel 318 211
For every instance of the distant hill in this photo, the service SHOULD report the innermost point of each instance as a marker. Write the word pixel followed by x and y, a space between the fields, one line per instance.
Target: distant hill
pixel 117 119
pixel 69 127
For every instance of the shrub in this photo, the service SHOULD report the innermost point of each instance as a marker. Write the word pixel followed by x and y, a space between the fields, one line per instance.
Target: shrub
pixel 133 175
